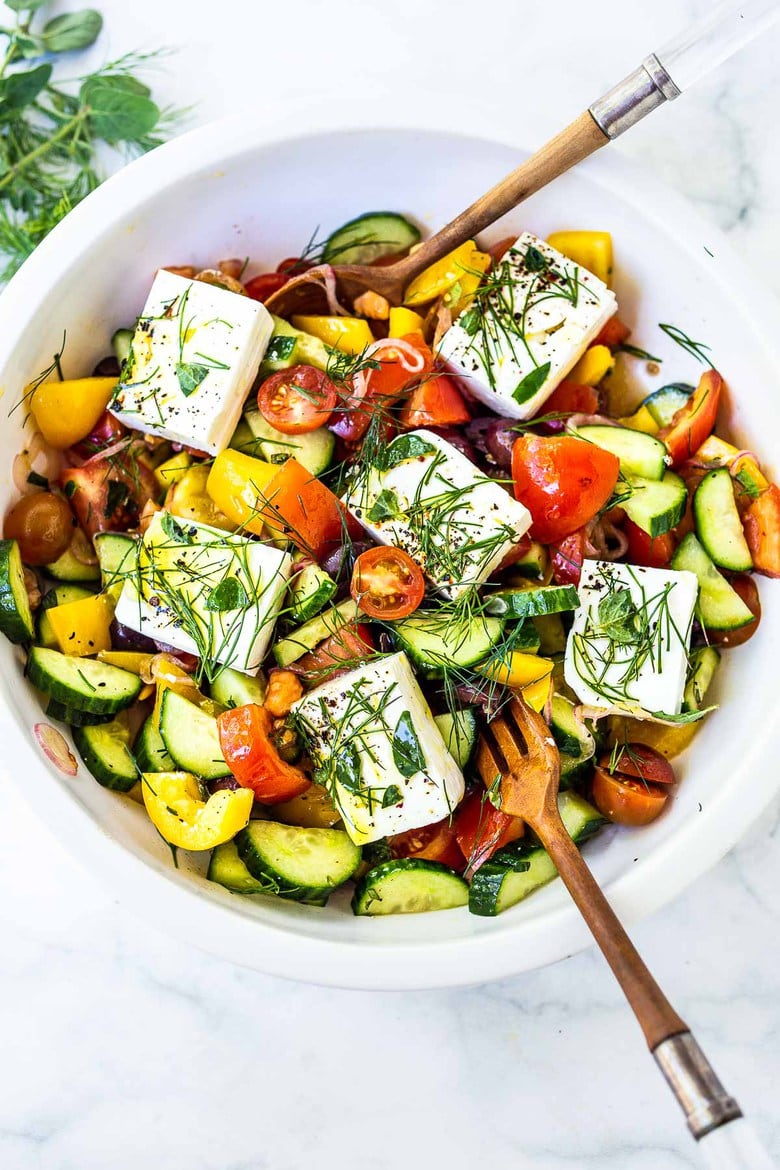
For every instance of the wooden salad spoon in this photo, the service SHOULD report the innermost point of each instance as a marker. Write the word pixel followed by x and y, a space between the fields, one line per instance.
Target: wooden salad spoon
pixel 517 747
pixel 703 46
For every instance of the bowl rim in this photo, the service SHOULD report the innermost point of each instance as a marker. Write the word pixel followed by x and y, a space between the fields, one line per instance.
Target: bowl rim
pixel 173 904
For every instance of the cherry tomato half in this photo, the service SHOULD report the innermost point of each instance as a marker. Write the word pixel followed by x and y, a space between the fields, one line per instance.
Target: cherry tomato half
pixel 640 762
pixel 563 482
pixel 386 583
pixel 431 843
pixel 627 801
pixel 261 287
pixel 297 400
pixel 42 524
pixel 747 589
pixel 567 556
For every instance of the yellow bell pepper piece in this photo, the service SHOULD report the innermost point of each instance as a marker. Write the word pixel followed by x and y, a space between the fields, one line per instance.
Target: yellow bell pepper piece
pixel 641 420
pixel 518 669
pixel 83 627
pixel 460 296
pixel 593 366
pixel 348 334
pixel 403 321
pixel 133 660
pixel 436 280
pixel 718 453
pixel 591 250
pixel 181 816
pixel 669 741
pixel 536 694
pixel 65 412
pixel 172 470
pixel 235 482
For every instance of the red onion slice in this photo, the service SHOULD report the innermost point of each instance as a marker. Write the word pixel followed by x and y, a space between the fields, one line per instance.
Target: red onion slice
pixel 55 748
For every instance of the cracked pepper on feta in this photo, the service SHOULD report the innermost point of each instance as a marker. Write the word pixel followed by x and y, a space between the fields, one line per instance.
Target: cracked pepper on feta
pixel 195 353
pixel 628 646
pixel 378 751
pixel 427 498
pixel 204 591
pixel 536 316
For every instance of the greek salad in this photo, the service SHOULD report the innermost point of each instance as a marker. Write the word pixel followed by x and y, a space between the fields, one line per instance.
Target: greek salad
pixel 273 575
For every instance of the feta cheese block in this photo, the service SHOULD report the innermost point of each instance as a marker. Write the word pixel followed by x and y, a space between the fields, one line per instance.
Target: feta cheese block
pixel 628 646
pixel 378 751
pixel 426 497
pixel 538 315
pixel 195 353
pixel 205 591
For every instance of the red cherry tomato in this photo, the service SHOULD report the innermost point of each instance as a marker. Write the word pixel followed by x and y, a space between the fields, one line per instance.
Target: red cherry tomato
pixel 293 265
pixel 387 583
pixel 261 287
pixel 380 388
pixel 748 591
pixel 481 829
pixel 627 801
pixel 297 400
pixel 430 843
pixel 654 552
pixel 762 531
pixel 436 402
pixel 563 482
pixel 693 422
pixel 640 762
pixel 567 556
pixel 244 736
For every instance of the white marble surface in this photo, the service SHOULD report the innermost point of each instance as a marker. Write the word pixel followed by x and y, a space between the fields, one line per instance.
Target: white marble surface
pixel 122 1048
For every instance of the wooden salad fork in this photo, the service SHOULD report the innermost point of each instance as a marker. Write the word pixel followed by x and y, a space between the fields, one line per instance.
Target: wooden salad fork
pixel 518 747
pixel 700 48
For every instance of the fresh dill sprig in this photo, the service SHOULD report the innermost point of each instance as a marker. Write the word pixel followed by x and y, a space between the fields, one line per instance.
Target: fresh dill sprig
pixel 697 349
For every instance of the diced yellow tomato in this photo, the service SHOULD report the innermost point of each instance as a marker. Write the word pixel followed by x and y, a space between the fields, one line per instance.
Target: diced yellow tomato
pixel 436 280
pixel 189 499
pixel 641 420
pixel 461 294
pixel 65 412
pixel 177 810
pixel 236 483
pixel 133 660
pixel 172 470
pixel 403 321
pixel 83 627
pixel 593 366
pixel 348 334
pixel 518 669
pixel 593 250
pixel 537 693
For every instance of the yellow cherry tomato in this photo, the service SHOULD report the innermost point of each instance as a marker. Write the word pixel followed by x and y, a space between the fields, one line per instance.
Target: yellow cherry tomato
pixel 172 470
pixel 183 818
pixel 65 412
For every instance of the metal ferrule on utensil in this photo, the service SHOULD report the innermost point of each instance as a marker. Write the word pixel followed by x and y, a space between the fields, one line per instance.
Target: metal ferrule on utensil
pixel 635 96
pixel 693 1081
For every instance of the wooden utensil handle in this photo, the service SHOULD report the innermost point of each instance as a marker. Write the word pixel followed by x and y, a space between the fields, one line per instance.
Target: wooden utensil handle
pixel 580 139
pixel 657 1018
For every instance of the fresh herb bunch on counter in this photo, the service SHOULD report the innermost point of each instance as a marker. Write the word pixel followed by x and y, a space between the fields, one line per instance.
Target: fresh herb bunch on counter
pixel 51 135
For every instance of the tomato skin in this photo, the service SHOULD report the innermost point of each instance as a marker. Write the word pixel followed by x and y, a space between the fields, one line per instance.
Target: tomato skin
pixel 101 507
pixel 430 843
pixel 640 762
pixel 352 642
pixel 570 398
pixel 651 552
pixel 292 265
pixel 437 402
pixel 762 531
pixel 613 334
pixel 379 388
pixel 297 400
pixel 42 524
pixel 244 736
pixel 387 583
pixel 563 482
pixel 747 589
pixel 625 800
pixel 481 829
pixel 566 557
pixel 304 509
pixel 693 422
pixel 261 287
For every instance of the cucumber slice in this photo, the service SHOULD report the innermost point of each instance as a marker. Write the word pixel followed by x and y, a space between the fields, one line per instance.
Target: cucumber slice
pixel 310 591
pixel 228 870
pixel 529 603
pixel 655 506
pixel 639 454
pixel 69 568
pixel 440 639
pixel 409 885
pixel 702 665
pixel 231 688
pixel 292 347
pixel 16 619
pixel 151 754
pixel 302 864
pixel 569 733
pixel 313 450
pixel 83 683
pixel 516 871
pixel 718 524
pixel 122 343
pixel 72 717
pixel 575 772
pixel 719 606
pixel 533 563
pixel 191 737
pixel 106 752
pixel 369 236
pixel 117 556
pixel 663 404
pixel 309 635
pixel 459 731
pixel 60 595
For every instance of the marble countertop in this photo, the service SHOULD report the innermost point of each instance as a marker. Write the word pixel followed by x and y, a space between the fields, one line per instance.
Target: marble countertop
pixel 122 1048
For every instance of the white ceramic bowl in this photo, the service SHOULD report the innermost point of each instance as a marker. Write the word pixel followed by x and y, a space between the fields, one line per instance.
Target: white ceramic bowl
pixel 240 189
